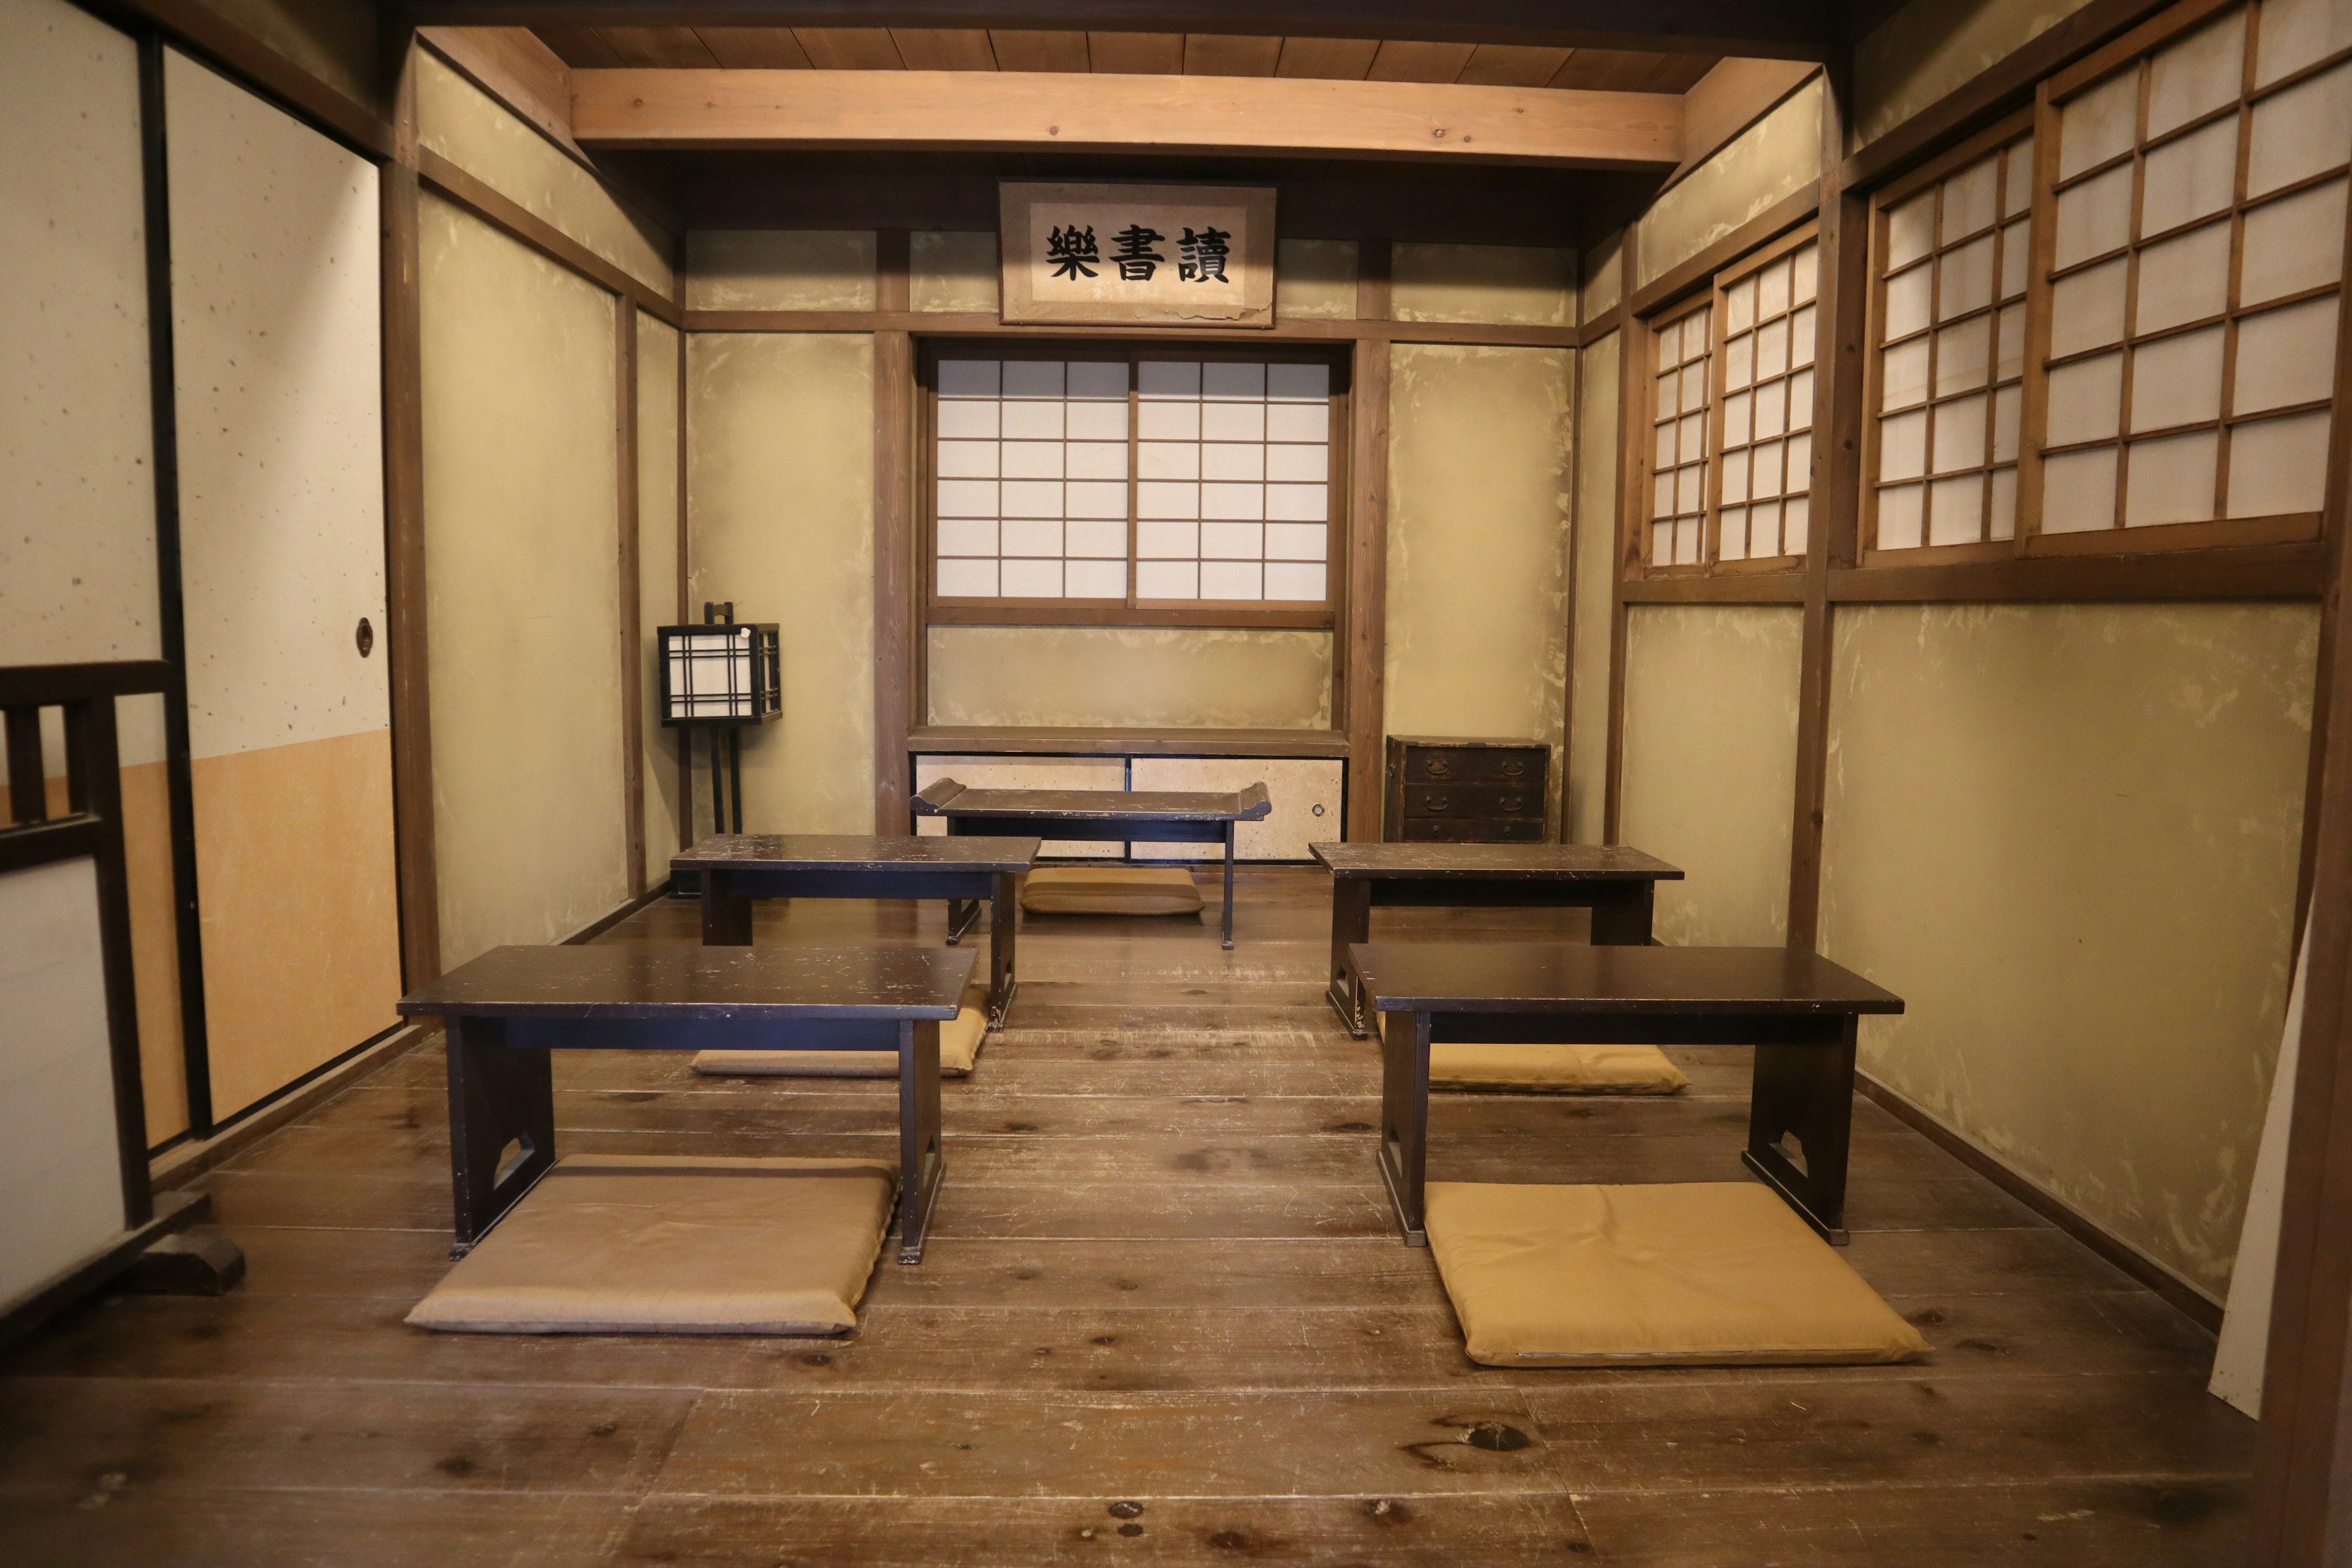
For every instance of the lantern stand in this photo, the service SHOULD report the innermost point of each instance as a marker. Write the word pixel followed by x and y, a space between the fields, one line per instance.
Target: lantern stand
pixel 719 677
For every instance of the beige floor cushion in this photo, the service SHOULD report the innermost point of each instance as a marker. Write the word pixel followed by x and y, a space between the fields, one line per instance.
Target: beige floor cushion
pixel 1554 1068
pixel 960 1042
pixel 1682 1274
pixel 1110 891
pixel 622 1244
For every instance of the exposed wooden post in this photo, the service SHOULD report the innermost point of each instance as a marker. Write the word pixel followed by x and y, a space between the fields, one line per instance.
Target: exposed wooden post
pixel 1633 363
pixel 894 544
pixel 1363 688
pixel 633 636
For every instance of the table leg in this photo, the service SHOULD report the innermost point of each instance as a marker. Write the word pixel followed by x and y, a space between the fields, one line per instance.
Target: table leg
pixel 1622 919
pixel 1003 923
pixel 726 913
pixel 1807 1091
pixel 1404 1119
pixel 502 1124
pixel 919 1164
pixel 962 913
pixel 1351 922
pixel 1229 885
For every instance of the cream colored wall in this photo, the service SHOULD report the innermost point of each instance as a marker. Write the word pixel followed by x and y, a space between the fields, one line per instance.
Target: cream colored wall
pixel 1479 444
pixel 474 130
pixel 1516 285
pixel 1770 161
pixel 660 365
pixel 2067 836
pixel 1596 578
pixel 780 509
pixel 1710 764
pixel 523 588
pixel 1142 676
pixel 1931 47
pixel 1604 278
pixel 1315 279
pixel 951 272
pixel 779 269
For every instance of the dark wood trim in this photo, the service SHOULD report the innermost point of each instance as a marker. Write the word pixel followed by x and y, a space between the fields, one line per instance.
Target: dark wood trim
pixel 980 740
pixel 894 625
pixel 519 223
pixel 183 1162
pixel 1363 651
pixel 1632 506
pixel 174 1212
pixel 685 590
pixel 1598 328
pixel 633 638
pixel 2183 1296
pixel 614 916
pixel 2263 571
pixel 94 786
pixel 1305 330
pixel 1783 587
pixel 405 649
pixel 48 684
pixel 1698 270
pixel 1105 612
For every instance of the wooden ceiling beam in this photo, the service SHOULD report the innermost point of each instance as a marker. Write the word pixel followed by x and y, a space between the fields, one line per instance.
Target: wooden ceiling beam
pixel 1011 111
pixel 1784 30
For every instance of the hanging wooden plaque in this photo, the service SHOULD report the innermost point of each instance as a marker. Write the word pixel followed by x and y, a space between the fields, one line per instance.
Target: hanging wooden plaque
pixel 1146 255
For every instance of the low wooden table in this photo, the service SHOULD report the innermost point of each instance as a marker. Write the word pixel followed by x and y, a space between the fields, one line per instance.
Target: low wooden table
pixel 1797 1008
pixel 1617 884
pixel 737 868
pixel 1102 815
pixel 507 1009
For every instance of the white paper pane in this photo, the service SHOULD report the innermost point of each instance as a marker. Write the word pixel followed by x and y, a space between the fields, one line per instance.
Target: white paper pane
pixel 1772 289
pixel 1963 355
pixel 1900 510
pixel 1233 421
pixel 1734 476
pixel 1030 497
pixel 1157 378
pixel 1033 459
pixel 1094 421
pixel 1686 541
pixel 1229 381
pixel 1903 446
pixel 1179 541
pixel 1800 401
pixel 1094 497
pixel 1300 503
pixel 1031 579
pixel 2007 406
pixel 1031 536
pixel 2009 363
pixel 1693 437
pixel 1096 537
pixel 2191 75
pixel 1661 545
pixel 1907 300
pixel 2292 244
pixel 2098 124
pixel 2171 479
pixel 1731 534
pixel 1168 421
pixel 1233 460
pixel 973 417
pixel 1799 465
pixel 2177 381
pixel 1233 540
pixel 1960 434
pixel 2286 356
pixel 967 498
pixel 1796 516
pixel 1296 540
pixel 2278 466
pixel 2003 522
pixel 1036 419
pixel 1032 378
pixel 1669 394
pixel 1306 465
pixel 1911 229
pixel 966 536
pixel 1688 483
pixel 2085 400
pixel 968 459
pixel 2191 178
pixel 1662 495
pixel 1739 362
pixel 1295 382
pixel 2078 492
pixel 2094 216
pixel 1167 580
pixel 2295 33
pixel 1670 346
pixel 1764 470
pixel 1804 273
pixel 968 378
pixel 1168 460
pixel 1956 510
pixel 1740 305
pixel 2184 280
pixel 967 579
pixel 1665 455
pixel 1231 580
pixel 1903 376
pixel 1167 499
pixel 1295 580
pixel 1095 459
pixel 1298 422
pixel 1739 427
pixel 1098 379
pixel 1694 384
pixel 1970 197
pixel 1238 503
pixel 1966 279
pixel 2017 182
pixel 1095 579
pixel 2016 258
pixel 1801 337
pixel 2087 311
pixel 1771 409
pixel 2301 130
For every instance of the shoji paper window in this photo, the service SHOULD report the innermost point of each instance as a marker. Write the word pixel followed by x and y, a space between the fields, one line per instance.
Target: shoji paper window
pixel 2193 273
pixel 1765 470
pixel 1031 478
pixel 1233 497
pixel 1952 253
pixel 1678 439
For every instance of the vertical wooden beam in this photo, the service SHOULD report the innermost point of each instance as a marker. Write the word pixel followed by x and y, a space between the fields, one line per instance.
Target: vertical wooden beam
pixel 1363 684
pixel 1632 364
pixel 404 524
pixel 894 545
pixel 684 574
pixel 633 636
pixel 1836 490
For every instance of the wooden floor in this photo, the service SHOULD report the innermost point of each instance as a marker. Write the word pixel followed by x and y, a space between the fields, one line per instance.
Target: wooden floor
pixel 1163 1319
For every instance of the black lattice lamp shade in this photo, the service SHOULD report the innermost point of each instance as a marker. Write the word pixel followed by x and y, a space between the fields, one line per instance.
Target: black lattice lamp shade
pixel 720 674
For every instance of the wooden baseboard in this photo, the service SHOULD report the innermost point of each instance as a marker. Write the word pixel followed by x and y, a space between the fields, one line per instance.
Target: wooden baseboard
pixel 606 923
pixel 2192 1303
pixel 183 1162
pixel 174 1211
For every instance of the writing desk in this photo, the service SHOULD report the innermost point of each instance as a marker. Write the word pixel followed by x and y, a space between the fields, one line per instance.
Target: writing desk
pixel 1617 884
pixel 1798 1009
pixel 737 868
pixel 1102 815
pixel 507 1009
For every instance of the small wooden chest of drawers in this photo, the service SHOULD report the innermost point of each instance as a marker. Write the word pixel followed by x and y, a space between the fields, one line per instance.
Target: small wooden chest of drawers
pixel 1445 790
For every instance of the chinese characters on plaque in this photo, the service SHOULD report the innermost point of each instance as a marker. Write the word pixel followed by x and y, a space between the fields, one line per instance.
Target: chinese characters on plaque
pixel 1158 255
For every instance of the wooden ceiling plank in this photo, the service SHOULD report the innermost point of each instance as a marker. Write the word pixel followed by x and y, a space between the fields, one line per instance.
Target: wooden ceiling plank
pixel 1137 53
pixel 1330 59
pixel 755 49
pixel 1403 59
pixel 678 48
pixel 579 47
pixel 1006 111
pixel 944 48
pixel 850 49
pixel 1231 53
pixel 1622 70
pixel 1019 49
pixel 1511 65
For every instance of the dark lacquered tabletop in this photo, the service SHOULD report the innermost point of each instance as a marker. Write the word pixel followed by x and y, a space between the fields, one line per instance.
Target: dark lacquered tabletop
pixel 1491 862
pixel 855 852
pixel 1569 977
pixel 630 981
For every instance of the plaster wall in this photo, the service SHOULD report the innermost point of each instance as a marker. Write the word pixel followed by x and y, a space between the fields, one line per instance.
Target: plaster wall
pixel 523 588
pixel 1604 272
pixel 2066 835
pixel 1931 47
pixel 1138 676
pixel 1711 765
pixel 1478 542
pixel 1515 285
pixel 1315 279
pixel 948 271
pixel 780 495
pixel 660 363
pixel 780 269
pixel 1595 547
pixel 1770 161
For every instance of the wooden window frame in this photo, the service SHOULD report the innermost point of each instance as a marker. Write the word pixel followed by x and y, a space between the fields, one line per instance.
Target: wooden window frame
pixel 1718 338
pixel 937 610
